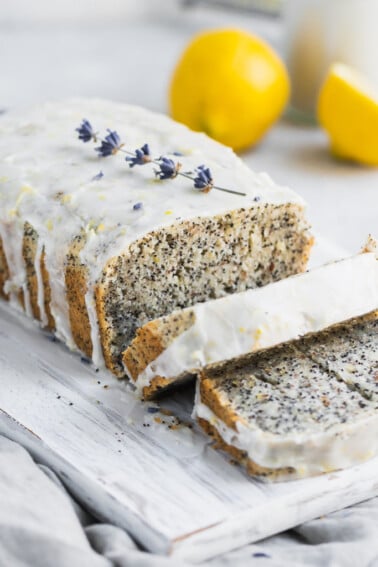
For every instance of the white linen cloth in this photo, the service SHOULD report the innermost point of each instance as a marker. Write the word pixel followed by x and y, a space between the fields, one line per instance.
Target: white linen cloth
pixel 42 526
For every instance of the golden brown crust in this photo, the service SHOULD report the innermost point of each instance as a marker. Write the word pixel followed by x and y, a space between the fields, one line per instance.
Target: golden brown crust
pixel 253 468
pixel 47 293
pixel 219 443
pixel 105 331
pixel 309 243
pixel 211 397
pixel 76 288
pixel 29 249
pixel 147 345
pixel 4 271
pixel 151 340
pixel 21 298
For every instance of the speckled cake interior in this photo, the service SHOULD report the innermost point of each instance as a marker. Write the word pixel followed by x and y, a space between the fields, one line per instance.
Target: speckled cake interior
pixel 170 349
pixel 195 261
pixel 350 352
pixel 293 410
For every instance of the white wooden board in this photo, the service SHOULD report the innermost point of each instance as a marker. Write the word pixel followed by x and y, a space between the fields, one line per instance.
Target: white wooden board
pixel 167 487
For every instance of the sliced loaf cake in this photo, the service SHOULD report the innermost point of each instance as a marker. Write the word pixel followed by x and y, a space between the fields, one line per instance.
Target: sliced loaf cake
pixel 286 416
pixel 170 349
pixel 94 248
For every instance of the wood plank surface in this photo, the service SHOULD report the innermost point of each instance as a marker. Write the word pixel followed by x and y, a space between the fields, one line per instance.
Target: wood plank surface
pixel 132 464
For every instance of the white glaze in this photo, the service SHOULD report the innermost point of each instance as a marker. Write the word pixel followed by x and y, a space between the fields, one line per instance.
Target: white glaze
pixel 338 447
pixel 40 156
pixel 260 318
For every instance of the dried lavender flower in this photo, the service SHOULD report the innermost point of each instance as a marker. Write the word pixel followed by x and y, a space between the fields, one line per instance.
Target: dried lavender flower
pixel 204 180
pixel 98 176
pixel 168 168
pixel 141 157
pixel 86 132
pixel 110 145
pixel 137 206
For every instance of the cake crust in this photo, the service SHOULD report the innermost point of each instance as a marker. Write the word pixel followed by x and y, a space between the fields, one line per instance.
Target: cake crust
pixel 291 406
pixel 4 271
pixel 253 469
pixel 76 276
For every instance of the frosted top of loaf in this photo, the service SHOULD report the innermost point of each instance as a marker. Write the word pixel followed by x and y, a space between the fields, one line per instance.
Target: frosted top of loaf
pixel 47 177
pixel 44 146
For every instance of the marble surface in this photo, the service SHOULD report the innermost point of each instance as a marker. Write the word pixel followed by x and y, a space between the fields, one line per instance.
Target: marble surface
pixel 131 57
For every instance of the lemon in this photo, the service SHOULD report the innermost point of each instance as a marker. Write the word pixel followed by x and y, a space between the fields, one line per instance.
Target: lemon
pixel 229 84
pixel 348 111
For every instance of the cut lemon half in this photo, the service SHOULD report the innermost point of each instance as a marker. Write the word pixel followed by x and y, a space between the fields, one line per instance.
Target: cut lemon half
pixel 348 111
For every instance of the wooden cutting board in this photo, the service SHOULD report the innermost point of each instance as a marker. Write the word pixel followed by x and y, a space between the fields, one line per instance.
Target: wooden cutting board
pixel 133 465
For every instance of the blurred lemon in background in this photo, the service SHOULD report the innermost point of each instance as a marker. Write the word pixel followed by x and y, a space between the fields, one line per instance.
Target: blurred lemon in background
pixel 231 85
pixel 348 110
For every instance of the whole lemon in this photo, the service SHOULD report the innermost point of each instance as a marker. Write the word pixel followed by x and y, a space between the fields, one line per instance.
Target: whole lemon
pixel 348 111
pixel 229 84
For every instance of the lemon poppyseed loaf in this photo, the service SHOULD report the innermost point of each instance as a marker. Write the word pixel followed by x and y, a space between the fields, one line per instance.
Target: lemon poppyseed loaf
pixel 288 412
pixel 170 349
pixel 94 248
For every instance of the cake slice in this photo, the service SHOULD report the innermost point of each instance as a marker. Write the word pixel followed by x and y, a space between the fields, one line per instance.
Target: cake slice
pixel 168 350
pixel 94 248
pixel 285 416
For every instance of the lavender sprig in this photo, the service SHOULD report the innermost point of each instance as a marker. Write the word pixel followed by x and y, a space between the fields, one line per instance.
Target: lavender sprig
pixel 168 168
pixel 86 132
pixel 204 180
pixel 110 145
pixel 98 176
pixel 141 156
